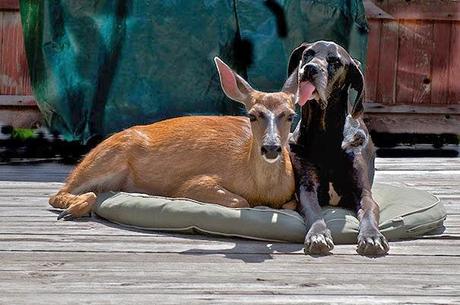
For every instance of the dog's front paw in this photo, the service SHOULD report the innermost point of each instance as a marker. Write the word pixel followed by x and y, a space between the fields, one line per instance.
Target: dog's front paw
pixel 318 243
pixel 372 244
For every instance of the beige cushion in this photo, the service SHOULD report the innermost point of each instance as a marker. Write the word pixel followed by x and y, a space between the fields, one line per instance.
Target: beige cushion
pixel 404 213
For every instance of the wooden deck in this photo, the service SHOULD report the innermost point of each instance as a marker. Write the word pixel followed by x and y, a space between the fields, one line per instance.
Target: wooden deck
pixel 44 261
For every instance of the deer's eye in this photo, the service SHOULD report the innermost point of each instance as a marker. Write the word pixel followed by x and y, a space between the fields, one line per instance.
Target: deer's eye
pixel 252 117
pixel 291 117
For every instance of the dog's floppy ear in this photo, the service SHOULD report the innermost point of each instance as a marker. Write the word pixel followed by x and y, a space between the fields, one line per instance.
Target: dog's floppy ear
pixel 356 79
pixel 295 57
pixel 291 84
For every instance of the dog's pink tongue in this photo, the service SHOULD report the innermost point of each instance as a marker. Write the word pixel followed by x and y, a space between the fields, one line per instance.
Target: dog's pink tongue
pixel 305 91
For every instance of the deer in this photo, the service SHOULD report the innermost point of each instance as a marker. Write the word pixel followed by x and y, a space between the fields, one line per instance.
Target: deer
pixel 232 161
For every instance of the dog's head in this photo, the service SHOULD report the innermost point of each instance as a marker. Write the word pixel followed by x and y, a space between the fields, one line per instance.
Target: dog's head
pixel 324 67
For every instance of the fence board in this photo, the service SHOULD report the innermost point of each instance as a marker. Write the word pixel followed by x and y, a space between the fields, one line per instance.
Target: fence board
pixel 14 78
pixel 454 72
pixel 387 62
pixel 440 62
pixel 373 56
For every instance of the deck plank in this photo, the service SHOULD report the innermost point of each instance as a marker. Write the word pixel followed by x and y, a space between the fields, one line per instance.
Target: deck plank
pixel 90 260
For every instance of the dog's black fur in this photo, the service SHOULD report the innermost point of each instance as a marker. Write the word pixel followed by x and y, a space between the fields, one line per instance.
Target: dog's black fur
pixel 331 147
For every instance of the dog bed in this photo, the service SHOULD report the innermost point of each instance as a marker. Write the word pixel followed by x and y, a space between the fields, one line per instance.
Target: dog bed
pixel 404 213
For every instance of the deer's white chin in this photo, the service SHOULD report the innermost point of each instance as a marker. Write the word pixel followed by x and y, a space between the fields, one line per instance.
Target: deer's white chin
pixel 271 160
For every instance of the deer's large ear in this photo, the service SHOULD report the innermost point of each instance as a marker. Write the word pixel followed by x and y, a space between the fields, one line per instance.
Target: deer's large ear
pixel 356 80
pixel 296 57
pixel 233 85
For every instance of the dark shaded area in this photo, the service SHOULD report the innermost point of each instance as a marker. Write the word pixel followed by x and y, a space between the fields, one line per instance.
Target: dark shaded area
pixel 277 10
pixel 243 52
pixel 385 140
pixel 408 145
pixel 40 145
pixel 416 153
pixel 44 146
pixel 106 73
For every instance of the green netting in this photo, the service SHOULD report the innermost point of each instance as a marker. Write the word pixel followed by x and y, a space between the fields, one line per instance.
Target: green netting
pixel 100 66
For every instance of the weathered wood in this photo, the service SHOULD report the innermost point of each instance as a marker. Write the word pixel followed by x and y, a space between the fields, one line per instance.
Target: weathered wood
pixel 454 63
pixel 373 56
pixel 9 5
pixel 386 91
pixel 279 264
pixel 440 64
pixel 192 244
pixel 91 260
pixel 373 11
pixel 214 297
pixel 18 100
pixel 419 40
pixel 416 10
pixel 54 260
pixel 14 78
pixel 422 52
pixel 254 282
pixel 413 123
pixel 372 107
pixel 406 63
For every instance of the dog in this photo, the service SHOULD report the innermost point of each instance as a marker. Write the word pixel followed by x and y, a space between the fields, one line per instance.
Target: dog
pixel 331 150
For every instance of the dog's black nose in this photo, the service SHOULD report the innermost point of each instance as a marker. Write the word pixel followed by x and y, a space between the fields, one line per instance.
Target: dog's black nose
pixel 310 71
pixel 271 151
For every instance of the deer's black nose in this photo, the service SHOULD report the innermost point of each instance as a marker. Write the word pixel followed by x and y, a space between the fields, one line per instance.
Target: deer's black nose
pixel 271 151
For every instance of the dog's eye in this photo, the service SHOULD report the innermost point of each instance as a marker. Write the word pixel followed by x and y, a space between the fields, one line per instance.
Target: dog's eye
pixel 308 55
pixel 334 61
pixel 252 117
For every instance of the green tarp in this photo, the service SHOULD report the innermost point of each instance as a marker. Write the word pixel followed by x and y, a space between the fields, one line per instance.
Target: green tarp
pixel 100 66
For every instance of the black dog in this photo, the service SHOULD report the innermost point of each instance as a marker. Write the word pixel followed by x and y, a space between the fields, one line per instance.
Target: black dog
pixel 331 151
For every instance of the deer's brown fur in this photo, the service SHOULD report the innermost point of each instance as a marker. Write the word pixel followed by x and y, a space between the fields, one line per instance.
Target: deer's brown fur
pixel 214 159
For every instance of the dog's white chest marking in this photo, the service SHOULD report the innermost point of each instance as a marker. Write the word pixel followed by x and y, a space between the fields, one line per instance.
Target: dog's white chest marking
pixel 334 198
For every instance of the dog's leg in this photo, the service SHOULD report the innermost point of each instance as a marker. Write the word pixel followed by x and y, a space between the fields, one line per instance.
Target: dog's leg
pixel 207 189
pixel 318 239
pixel 370 241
